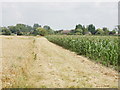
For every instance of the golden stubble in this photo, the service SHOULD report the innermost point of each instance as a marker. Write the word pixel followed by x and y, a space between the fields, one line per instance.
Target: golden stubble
pixel 0 62
pixel 17 58
pixel 34 62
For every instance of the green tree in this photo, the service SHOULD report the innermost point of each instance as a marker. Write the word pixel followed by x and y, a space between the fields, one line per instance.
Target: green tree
pixel 35 26
pixel 106 31
pixel 112 32
pixel 85 30
pixel 46 27
pixel 78 31
pixel 20 29
pixel 6 31
pixel 79 26
pixel 29 28
pixel 99 32
pixel 49 30
pixel 40 31
pixel 23 29
pixel 12 29
pixel 91 28
pixel 19 32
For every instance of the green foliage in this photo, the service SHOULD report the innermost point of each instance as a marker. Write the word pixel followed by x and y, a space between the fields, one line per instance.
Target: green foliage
pixel 41 31
pixel 112 32
pixel 85 31
pixel 72 32
pixel 103 49
pixel 78 31
pixel 118 26
pixel 35 26
pixel 19 32
pixel 79 26
pixel 99 32
pixel 6 31
pixel 20 29
pixel 12 29
pixel 91 28
pixel 23 29
pixel 49 30
pixel 58 32
pixel 106 31
pixel 47 27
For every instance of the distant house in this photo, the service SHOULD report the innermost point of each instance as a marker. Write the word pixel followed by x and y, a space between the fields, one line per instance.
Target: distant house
pixel 65 31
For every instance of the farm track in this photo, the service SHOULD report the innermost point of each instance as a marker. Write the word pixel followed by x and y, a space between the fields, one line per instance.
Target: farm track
pixel 51 66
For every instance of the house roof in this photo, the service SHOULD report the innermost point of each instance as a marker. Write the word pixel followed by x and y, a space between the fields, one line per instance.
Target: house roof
pixel 65 31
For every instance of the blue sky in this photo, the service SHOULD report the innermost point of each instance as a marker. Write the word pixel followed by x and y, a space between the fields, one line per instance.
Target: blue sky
pixel 61 15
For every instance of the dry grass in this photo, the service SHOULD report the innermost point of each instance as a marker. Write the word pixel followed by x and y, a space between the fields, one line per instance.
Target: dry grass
pixel 58 68
pixel 35 62
pixel 0 62
pixel 17 58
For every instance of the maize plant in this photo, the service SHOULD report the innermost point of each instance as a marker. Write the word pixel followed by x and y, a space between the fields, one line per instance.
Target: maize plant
pixel 102 49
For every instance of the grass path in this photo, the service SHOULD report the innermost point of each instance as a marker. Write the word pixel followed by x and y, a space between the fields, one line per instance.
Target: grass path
pixel 57 67
pixel 50 66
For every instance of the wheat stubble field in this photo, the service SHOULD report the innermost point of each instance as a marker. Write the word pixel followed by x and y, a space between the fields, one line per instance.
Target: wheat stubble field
pixel 34 62
pixel 0 62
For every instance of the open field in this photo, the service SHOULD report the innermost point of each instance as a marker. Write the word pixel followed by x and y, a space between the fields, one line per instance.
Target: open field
pixel 0 62
pixel 17 58
pixel 34 62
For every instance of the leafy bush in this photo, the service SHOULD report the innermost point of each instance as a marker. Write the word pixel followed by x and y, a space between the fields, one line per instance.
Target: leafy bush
pixel 6 31
pixel 40 31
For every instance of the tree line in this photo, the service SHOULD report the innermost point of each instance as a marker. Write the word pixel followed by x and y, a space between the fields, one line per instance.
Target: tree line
pixel 22 29
pixel 36 29
pixel 91 30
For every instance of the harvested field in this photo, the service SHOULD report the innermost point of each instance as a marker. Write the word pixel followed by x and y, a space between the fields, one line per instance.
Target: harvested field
pixel 0 62
pixel 34 62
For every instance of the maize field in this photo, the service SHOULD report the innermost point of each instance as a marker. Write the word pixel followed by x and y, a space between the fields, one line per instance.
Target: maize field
pixel 102 49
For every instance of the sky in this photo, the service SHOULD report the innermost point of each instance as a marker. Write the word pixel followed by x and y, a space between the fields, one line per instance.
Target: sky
pixel 60 15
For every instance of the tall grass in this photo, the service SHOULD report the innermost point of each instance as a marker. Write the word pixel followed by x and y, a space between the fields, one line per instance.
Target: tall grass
pixel 103 49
